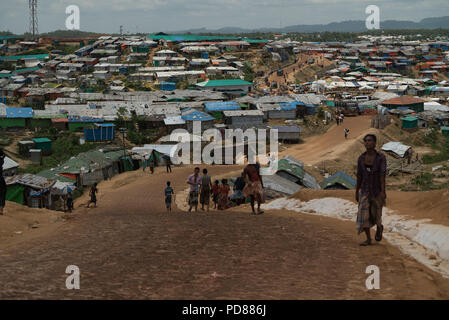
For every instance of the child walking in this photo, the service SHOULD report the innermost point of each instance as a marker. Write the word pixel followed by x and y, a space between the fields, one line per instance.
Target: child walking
pixel 168 196
pixel 215 192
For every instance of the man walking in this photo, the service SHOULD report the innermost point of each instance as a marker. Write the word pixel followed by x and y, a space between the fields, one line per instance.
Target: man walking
pixel 2 183
pixel 144 161
pixel 69 201
pixel 167 163
pixel 370 191
pixel 93 195
pixel 254 187
pixel 206 187
pixel 194 181
pixel 346 133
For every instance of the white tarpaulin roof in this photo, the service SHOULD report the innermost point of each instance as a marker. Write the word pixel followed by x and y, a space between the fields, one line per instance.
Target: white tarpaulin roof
pixel 396 147
pixel 167 149
pixel 63 187
pixel 435 106
pixel 9 164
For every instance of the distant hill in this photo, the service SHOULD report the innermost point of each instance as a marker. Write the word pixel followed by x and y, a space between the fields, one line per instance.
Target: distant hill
pixel 344 26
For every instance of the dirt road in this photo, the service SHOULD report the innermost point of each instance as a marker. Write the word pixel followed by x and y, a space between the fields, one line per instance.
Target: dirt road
pixel 332 143
pixel 129 247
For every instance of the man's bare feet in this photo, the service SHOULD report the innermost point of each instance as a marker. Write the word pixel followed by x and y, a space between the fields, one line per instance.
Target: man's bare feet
pixel 365 243
pixel 379 233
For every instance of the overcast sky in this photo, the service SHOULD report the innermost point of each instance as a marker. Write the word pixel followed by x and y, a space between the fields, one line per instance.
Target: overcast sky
pixel 170 15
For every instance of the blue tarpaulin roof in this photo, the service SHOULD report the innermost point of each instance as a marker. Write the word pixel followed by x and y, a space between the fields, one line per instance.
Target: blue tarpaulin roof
pixel 106 125
pixel 19 112
pixel 197 116
pixel 84 119
pixel 222 106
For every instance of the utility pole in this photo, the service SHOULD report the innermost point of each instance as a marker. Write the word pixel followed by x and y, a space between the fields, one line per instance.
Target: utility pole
pixel 123 131
pixel 33 18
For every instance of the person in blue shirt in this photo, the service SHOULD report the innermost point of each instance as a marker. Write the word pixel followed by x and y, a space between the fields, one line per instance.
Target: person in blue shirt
pixel 169 192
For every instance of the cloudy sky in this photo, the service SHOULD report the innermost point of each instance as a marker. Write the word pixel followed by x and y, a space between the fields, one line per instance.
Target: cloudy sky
pixel 170 15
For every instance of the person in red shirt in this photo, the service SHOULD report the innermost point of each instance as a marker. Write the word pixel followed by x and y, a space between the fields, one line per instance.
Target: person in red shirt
pixel 223 201
pixel 254 187
pixel 215 193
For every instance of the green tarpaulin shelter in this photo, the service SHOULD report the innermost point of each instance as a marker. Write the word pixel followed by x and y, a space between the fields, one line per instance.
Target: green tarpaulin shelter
pixel 409 122
pixel 127 163
pixel 14 193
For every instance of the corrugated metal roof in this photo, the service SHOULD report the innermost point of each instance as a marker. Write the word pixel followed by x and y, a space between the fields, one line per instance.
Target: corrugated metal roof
pixel 287 128
pixel 279 184
pixel 189 37
pixel 291 168
pixel 178 120
pixel 51 174
pixel 340 178
pixel 403 100
pixel 30 180
pixel 240 113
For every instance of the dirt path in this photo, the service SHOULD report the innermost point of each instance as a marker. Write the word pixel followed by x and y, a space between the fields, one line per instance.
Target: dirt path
pixel 13 149
pixel 331 144
pixel 129 247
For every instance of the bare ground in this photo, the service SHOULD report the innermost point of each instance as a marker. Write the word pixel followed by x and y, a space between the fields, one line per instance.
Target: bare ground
pixel 129 247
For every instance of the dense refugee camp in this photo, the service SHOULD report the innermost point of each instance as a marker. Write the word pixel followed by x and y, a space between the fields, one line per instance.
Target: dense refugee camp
pixel 217 157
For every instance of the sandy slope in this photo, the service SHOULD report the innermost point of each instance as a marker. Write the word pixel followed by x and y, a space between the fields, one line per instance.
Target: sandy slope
pixel 129 247
pixel 432 205
pixel 21 223
pixel 331 144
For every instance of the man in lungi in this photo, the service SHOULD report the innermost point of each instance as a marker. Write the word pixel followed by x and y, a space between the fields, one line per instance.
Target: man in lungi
pixel 205 190
pixel 370 191
pixel 194 181
pixel 254 186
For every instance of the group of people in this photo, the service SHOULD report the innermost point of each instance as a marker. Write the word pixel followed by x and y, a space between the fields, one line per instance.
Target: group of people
pixel 370 190
pixel 340 118
pixel 151 161
pixel 202 190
